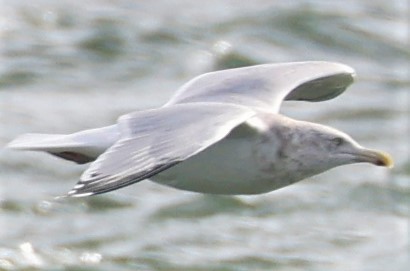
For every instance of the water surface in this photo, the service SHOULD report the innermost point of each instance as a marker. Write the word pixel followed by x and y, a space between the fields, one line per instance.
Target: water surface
pixel 71 65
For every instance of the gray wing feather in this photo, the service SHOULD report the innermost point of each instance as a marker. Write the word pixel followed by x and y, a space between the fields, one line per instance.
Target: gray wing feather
pixel 154 140
pixel 266 86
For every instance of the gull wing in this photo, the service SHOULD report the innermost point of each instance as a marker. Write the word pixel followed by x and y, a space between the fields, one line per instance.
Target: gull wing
pixel 154 140
pixel 266 86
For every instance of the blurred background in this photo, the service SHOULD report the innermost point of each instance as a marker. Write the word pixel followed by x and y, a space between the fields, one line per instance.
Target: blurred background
pixel 70 65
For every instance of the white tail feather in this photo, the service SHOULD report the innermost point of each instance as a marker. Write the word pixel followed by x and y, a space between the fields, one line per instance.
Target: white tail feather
pixel 81 147
pixel 41 142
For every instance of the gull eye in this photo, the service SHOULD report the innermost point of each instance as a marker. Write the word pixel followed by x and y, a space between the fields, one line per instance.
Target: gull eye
pixel 338 141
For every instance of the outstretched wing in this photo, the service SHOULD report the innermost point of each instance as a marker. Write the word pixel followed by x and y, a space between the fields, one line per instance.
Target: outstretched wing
pixel 266 86
pixel 154 140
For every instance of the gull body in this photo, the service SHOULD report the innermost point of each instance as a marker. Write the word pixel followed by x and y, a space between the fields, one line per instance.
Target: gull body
pixel 260 156
pixel 221 133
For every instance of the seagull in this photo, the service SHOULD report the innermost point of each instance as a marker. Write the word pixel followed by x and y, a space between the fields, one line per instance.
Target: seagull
pixel 221 133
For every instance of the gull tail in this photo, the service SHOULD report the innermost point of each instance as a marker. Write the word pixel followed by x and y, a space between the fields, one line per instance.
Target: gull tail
pixel 82 147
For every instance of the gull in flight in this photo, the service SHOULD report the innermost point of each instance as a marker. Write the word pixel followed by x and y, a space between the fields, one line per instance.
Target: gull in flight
pixel 221 133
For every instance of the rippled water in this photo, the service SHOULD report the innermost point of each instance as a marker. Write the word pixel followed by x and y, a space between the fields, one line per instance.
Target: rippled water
pixel 70 65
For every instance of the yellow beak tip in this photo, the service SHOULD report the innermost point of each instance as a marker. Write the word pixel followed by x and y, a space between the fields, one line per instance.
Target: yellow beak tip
pixel 386 160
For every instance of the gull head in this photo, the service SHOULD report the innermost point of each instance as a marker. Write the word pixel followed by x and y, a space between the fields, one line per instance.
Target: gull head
pixel 310 148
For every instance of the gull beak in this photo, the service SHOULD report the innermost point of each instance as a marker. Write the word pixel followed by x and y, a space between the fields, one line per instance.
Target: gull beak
pixel 377 158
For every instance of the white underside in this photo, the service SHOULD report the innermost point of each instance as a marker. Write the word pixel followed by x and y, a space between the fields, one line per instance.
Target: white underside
pixel 229 167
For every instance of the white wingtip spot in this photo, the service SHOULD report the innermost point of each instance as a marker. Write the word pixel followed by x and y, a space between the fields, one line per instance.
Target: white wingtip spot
pixel 82 195
pixel 78 186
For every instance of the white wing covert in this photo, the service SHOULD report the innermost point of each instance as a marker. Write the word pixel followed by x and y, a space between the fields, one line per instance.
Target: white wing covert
pixel 266 86
pixel 154 140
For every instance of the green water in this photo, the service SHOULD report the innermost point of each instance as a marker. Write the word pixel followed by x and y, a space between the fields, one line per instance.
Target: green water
pixel 71 65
